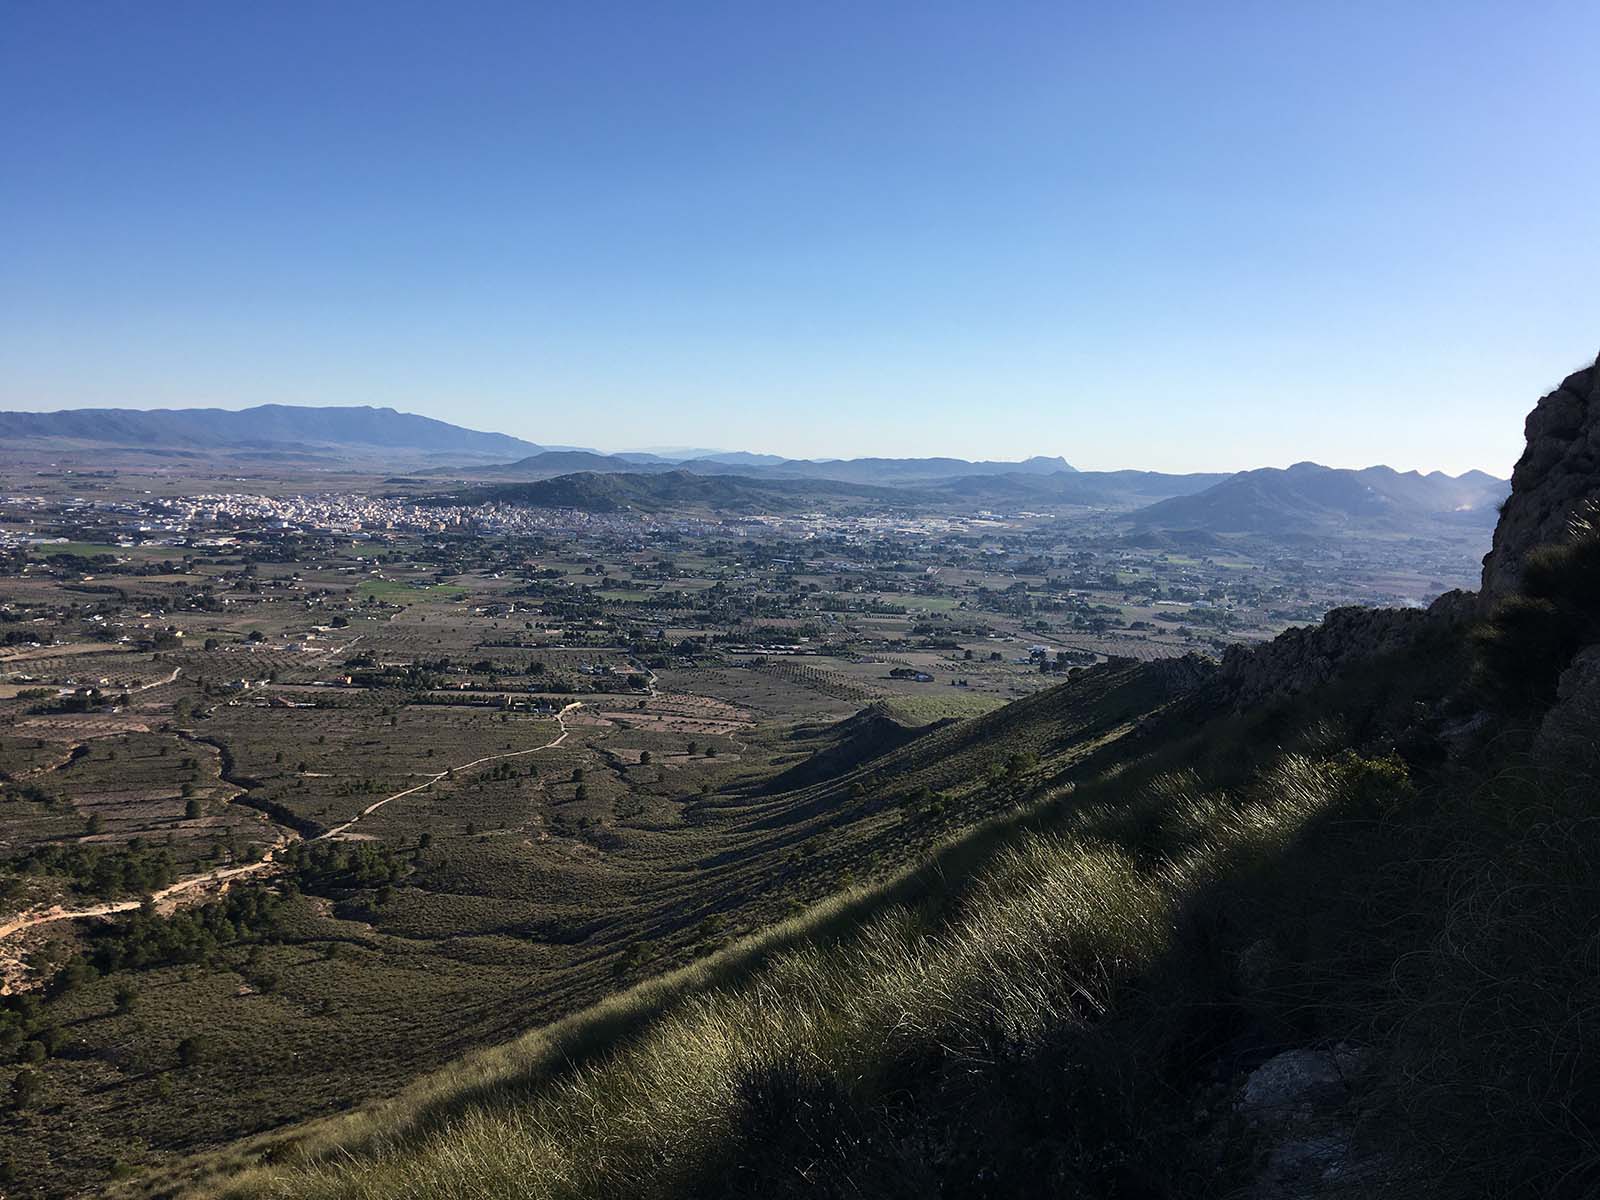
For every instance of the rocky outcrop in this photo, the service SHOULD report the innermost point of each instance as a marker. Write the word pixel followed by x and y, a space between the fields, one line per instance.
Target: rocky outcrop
pixel 1311 656
pixel 1558 472
pixel 1290 1088
pixel 1300 1105
pixel 856 740
pixel 1569 735
pixel 1557 477
pixel 1182 674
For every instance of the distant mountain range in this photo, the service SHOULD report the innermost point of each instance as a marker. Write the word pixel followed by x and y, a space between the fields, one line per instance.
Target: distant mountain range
pixel 364 436
pixel 731 457
pixel 590 483
pixel 1311 499
pixel 276 430
pixel 871 471
pixel 1303 500
pixel 594 491
pixel 1099 489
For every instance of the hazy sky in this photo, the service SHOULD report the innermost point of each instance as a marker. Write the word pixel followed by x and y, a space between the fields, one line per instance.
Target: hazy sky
pixel 1172 236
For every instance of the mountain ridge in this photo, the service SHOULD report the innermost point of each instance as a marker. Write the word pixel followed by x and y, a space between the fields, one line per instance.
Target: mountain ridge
pixel 322 436
pixel 262 427
pixel 610 492
pixel 1308 498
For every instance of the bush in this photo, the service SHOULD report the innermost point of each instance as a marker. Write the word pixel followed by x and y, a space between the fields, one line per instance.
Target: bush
pixel 192 1051
pixel 25 1090
pixel 1532 636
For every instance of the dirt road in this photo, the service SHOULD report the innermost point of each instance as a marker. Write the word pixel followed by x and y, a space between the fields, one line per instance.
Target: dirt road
pixel 37 917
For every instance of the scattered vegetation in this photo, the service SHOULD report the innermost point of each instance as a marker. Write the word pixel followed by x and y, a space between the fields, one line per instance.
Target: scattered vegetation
pixel 104 872
pixel 144 940
pixel 1127 898
pixel 1046 1009
pixel 1532 635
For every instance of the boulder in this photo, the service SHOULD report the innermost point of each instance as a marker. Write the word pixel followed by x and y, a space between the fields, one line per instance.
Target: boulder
pixel 1299 1104
pixel 1295 1087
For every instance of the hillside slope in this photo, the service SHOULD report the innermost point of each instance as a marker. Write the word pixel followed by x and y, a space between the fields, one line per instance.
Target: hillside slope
pixel 1038 481
pixel 590 491
pixel 1317 922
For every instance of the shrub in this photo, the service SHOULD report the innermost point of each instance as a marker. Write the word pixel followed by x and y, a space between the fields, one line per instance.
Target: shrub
pixel 192 1051
pixel 1531 636
pixel 25 1090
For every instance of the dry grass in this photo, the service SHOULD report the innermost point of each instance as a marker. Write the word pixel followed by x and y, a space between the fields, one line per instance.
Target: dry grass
pixel 1044 935
pixel 1043 1004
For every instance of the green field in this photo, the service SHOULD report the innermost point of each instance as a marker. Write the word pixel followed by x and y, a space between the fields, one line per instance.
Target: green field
pixel 396 591
pixel 90 549
pixel 940 703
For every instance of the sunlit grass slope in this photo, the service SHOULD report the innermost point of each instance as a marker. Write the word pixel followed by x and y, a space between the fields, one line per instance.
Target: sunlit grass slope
pixel 1055 1006
pixel 1064 911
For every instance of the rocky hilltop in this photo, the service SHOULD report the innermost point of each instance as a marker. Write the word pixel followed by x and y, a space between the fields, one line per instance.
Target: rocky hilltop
pixel 1556 478
pixel 1558 473
pixel 1308 657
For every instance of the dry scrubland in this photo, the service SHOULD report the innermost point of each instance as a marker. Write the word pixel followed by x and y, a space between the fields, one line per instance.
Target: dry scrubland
pixel 1090 994
pixel 727 795
pixel 1045 1006
pixel 833 876
pixel 1062 911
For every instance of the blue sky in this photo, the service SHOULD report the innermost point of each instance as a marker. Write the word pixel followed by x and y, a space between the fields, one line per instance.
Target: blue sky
pixel 1174 236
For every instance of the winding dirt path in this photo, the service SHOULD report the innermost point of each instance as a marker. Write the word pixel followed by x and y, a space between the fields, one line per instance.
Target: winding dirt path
pixel 37 917
pixel 561 720
pixel 155 683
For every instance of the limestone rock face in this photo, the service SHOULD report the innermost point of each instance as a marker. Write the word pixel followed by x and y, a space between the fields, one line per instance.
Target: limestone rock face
pixel 1569 735
pixel 1183 674
pixel 1310 656
pixel 1557 473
